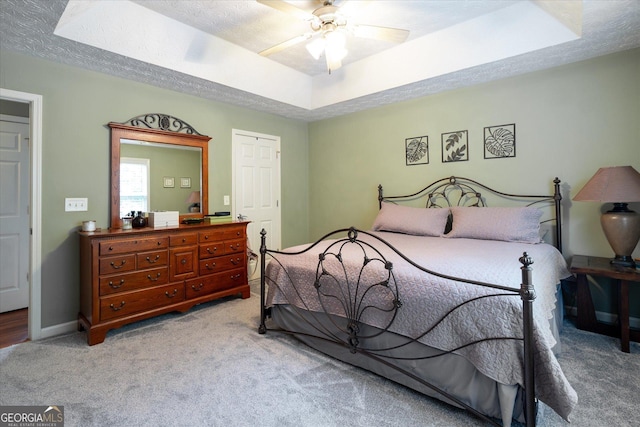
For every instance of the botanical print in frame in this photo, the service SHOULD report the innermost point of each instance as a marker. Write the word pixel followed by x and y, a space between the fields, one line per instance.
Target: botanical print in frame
pixel 500 141
pixel 455 146
pixel 417 150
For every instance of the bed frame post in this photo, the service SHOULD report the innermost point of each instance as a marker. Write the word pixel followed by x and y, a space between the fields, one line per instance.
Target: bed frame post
pixel 380 196
pixel 262 329
pixel 528 294
pixel 557 197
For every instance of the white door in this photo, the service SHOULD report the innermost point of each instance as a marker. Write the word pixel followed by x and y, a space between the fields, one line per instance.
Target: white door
pixel 14 213
pixel 256 187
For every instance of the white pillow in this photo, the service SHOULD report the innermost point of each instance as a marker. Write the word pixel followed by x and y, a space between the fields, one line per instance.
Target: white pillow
pixel 506 224
pixel 409 220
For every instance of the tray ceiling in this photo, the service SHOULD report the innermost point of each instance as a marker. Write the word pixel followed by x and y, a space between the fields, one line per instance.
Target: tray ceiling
pixel 210 48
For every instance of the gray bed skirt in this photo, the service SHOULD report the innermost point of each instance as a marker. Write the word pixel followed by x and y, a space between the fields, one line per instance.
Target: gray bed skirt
pixel 449 372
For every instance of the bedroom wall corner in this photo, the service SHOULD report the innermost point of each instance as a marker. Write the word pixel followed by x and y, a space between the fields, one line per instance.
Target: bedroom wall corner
pixel 570 120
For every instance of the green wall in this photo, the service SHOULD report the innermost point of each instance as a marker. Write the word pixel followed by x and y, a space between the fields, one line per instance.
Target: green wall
pixel 570 121
pixel 77 105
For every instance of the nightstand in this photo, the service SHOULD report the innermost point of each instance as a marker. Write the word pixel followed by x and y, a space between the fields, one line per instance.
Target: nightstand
pixel 583 266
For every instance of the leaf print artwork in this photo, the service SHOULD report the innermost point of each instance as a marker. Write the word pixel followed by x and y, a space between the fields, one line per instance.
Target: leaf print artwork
pixel 455 146
pixel 457 154
pixel 417 150
pixel 500 141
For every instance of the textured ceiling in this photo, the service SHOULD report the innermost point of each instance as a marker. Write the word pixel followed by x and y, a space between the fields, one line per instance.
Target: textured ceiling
pixel 606 26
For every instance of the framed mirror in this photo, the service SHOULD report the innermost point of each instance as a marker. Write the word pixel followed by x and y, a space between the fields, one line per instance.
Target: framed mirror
pixel 158 163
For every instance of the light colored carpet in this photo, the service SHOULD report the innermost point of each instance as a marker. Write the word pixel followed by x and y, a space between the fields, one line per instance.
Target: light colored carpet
pixel 210 367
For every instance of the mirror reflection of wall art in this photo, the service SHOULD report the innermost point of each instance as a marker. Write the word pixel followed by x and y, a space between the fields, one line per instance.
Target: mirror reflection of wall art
pixel 168 182
pixel 417 150
pixel 500 141
pixel 455 146
pixel 185 182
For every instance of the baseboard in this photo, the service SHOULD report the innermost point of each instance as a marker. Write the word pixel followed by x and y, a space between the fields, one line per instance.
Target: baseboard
pixel 605 317
pixel 60 329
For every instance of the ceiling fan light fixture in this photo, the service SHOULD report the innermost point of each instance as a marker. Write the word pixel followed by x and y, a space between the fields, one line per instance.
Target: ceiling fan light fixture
pixel 316 47
pixel 335 39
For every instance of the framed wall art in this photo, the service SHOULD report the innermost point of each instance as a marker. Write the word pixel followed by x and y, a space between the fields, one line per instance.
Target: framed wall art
pixel 500 141
pixel 168 182
pixel 455 146
pixel 417 150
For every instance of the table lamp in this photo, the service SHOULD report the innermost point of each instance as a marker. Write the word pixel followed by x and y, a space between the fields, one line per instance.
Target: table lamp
pixel 618 185
pixel 194 201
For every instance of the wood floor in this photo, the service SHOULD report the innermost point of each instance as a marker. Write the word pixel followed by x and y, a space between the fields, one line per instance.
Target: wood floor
pixel 13 327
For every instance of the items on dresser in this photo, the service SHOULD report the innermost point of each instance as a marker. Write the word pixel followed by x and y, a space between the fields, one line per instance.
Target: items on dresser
pixel 130 275
pixel 139 220
pixel 163 219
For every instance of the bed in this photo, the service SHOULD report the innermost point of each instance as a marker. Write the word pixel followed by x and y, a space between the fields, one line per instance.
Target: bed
pixel 439 295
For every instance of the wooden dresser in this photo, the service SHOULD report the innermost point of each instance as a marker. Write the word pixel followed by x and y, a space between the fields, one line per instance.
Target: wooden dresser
pixel 130 275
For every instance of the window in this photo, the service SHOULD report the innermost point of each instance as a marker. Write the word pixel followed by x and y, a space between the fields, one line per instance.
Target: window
pixel 134 185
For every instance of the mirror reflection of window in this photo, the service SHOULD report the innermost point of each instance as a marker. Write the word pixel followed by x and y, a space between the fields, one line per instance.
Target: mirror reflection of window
pixel 134 185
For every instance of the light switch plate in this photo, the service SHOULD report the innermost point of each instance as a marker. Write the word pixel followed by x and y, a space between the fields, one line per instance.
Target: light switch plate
pixel 76 204
pixel 226 201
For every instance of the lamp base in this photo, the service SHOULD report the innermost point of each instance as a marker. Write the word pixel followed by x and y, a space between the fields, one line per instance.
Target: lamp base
pixel 621 226
pixel 624 261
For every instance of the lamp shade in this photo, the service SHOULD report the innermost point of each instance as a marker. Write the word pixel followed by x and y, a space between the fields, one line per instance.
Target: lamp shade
pixel 194 197
pixel 619 185
pixel 616 184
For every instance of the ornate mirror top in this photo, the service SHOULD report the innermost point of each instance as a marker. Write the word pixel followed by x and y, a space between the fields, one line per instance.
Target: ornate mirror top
pixel 162 122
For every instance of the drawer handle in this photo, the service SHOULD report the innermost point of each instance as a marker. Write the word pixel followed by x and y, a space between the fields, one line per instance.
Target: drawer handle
pixel 197 287
pixel 114 286
pixel 159 243
pixel 235 261
pixel 175 292
pixel 110 248
pixel 156 278
pixel 210 267
pixel 235 276
pixel 214 249
pixel 234 247
pixel 153 261
pixel 122 263
pixel 114 308
pixel 183 261
pixel 206 237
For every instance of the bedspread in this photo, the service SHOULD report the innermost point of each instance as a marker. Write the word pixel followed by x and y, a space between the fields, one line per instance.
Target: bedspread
pixel 425 299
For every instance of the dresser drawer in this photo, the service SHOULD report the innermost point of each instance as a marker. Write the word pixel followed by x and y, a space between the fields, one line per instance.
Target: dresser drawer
pixel 152 259
pixel 232 278
pixel 131 281
pixel 183 239
pixel 225 233
pixel 215 282
pixel 219 264
pixel 234 246
pixel 138 301
pixel 211 250
pixel 110 247
pixel 118 264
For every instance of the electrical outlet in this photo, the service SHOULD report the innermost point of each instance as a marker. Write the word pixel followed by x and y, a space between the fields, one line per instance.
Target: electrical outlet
pixel 227 202
pixel 76 204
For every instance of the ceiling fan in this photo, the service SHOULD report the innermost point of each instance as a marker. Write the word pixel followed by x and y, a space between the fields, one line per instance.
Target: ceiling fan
pixel 329 28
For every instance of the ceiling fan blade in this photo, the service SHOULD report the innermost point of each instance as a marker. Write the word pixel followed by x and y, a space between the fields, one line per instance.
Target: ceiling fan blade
pixel 285 7
pixel 394 35
pixel 286 44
